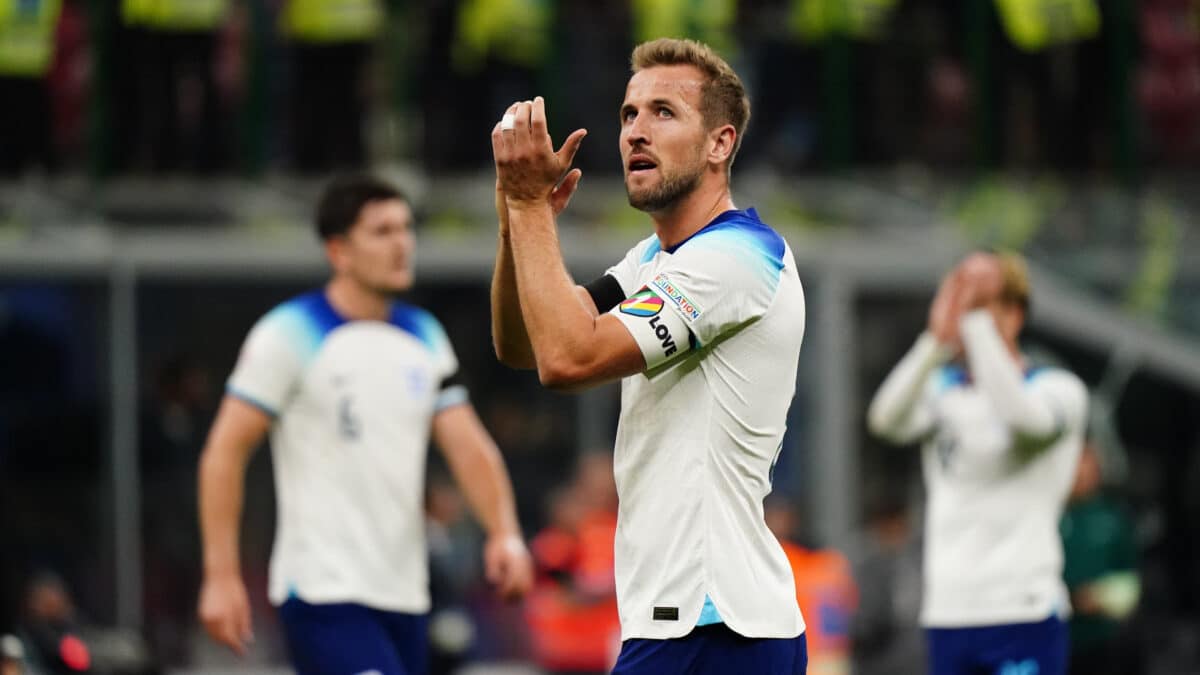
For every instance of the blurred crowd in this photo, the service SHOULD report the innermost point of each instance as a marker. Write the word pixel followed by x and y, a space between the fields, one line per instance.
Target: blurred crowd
pixel 308 86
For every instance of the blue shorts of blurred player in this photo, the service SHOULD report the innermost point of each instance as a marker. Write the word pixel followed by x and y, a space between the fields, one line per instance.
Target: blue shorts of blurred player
pixel 713 650
pixel 347 639
pixel 1012 649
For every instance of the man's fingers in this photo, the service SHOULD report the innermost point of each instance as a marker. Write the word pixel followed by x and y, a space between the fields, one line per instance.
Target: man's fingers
pixel 498 143
pixel 561 196
pixel 537 118
pixel 566 154
pixel 521 125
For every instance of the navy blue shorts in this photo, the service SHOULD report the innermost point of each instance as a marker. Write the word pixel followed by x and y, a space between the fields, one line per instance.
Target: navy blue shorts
pixel 347 639
pixel 1013 649
pixel 713 650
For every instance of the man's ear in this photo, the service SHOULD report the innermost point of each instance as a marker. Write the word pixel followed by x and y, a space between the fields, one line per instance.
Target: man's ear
pixel 723 139
pixel 335 251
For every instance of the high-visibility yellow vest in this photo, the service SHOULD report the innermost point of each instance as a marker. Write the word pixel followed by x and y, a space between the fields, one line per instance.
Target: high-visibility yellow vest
pixel 709 21
pixel 1036 24
pixel 186 15
pixel 332 20
pixel 137 12
pixel 27 37
pixel 515 31
pixel 815 20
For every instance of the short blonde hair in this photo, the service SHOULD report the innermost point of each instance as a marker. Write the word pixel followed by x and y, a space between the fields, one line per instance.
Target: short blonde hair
pixel 723 98
pixel 1015 271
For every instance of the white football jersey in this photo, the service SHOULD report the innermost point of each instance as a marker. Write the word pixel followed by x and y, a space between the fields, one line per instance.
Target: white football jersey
pixel 353 403
pixel 999 456
pixel 719 318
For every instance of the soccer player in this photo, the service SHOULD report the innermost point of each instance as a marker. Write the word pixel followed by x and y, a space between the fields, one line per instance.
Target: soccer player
pixel 702 322
pixel 351 383
pixel 1001 441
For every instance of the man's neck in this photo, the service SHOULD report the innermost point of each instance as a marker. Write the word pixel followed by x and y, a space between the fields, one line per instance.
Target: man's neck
pixel 356 303
pixel 709 200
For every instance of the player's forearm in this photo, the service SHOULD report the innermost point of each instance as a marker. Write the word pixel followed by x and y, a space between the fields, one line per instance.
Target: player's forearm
pixel 560 328
pixel 893 411
pixel 509 337
pixel 997 374
pixel 488 490
pixel 220 491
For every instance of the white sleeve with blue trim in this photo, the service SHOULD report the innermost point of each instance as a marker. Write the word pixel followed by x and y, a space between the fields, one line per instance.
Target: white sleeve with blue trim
pixel 901 412
pixel 719 281
pixel 268 366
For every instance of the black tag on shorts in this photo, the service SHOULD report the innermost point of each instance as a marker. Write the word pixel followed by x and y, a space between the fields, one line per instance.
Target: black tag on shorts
pixel 666 613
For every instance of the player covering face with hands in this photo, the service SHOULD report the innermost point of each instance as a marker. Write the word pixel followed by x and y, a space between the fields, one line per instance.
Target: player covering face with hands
pixel 702 322
pixel 1000 441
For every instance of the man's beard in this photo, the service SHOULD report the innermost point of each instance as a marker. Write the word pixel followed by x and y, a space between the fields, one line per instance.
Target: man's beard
pixel 667 193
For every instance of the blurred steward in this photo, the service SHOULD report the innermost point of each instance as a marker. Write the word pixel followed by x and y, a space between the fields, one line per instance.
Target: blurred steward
pixel 572 612
pixel 27 40
pixel 825 591
pixel 331 43
pixel 1101 571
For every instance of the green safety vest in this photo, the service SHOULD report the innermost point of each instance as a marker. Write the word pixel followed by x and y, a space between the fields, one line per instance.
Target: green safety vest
pixel 186 15
pixel 815 20
pixel 136 12
pixel 27 36
pixel 515 31
pixel 332 20
pixel 1035 24
pixel 709 21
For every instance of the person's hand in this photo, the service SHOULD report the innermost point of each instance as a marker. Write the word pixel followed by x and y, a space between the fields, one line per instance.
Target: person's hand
pixel 508 566
pixel 527 167
pixel 559 197
pixel 945 310
pixel 225 612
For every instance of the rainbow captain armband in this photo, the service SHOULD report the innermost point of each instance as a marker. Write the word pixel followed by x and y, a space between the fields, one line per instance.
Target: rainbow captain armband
pixel 661 335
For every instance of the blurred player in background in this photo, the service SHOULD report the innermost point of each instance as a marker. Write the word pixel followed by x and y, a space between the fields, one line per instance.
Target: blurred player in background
pixel 702 321
pixel 351 383
pixel 1001 441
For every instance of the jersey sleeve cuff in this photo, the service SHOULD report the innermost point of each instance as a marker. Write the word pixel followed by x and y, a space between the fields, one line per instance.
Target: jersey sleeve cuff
pixel 255 401
pixel 450 397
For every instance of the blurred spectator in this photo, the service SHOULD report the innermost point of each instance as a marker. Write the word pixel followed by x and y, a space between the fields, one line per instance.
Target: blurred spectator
pixel 572 611
pixel 1169 79
pixel 69 84
pixel 50 629
pixel 708 21
pixel 785 87
pixel 56 640
pixel 886 635
pixel 187 123
pixel 331 42
pixel 1048 109
pixel 27 41
pixel 169 110
pixel 499 53
pixel 1100 569
pixel 453 573
pixel 825 591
